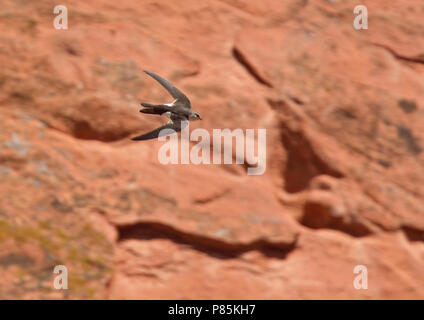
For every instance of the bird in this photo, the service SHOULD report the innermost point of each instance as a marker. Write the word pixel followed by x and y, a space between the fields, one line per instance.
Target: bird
pixel 179 111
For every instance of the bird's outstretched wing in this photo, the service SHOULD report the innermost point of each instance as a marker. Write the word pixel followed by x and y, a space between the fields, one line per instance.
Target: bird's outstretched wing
pixel 164 130
pixel 177 94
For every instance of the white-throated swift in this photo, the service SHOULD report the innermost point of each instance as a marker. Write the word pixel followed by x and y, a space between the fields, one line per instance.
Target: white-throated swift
pixel 179 111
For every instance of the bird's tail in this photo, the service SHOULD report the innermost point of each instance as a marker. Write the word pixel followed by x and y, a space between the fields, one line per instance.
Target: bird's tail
pixel 147 105
pixel 153 109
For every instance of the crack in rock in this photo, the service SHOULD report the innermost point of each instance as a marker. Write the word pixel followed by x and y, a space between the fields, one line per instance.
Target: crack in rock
pixel 414 59
pixel 217 248
pixel 303 161
pixel 413 234
pixel 213 197
pixel 241 58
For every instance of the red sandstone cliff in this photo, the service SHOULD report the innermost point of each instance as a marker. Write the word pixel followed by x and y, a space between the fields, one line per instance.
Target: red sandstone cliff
pixel 344 113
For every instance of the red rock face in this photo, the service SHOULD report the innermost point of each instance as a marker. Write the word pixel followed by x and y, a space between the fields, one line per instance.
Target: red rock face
pixel 344 114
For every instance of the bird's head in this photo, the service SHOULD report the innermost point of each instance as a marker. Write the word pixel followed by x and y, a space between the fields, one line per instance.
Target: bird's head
pixel 195 116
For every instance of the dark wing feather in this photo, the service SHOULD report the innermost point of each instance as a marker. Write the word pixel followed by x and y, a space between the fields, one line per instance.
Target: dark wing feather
pixel 177 94
pixel 172 126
